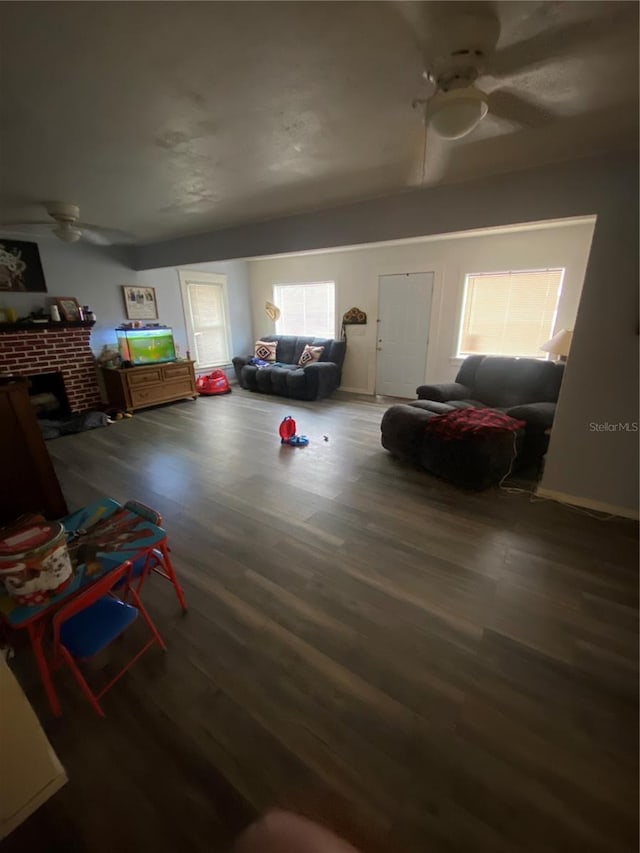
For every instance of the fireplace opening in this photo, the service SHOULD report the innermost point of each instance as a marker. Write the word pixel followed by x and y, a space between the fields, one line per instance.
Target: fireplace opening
pixel 48 395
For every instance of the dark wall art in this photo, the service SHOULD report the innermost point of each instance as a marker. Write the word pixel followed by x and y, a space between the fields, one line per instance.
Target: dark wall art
pixel 20 267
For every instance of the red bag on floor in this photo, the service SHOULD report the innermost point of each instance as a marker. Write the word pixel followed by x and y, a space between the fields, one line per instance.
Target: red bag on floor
pixel 214 383
pixel 287 429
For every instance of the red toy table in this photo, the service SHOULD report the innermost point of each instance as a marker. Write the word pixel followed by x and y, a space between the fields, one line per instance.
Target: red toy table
pixel 101 537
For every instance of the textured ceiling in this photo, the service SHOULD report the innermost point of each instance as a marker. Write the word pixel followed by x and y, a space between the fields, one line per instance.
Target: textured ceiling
pixel 170 118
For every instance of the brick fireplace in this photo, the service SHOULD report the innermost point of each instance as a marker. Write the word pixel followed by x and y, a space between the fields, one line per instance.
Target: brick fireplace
pixel 36 350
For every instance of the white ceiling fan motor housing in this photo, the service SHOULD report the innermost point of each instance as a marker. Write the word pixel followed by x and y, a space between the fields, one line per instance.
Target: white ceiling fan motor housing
pixel 65 215
pixel 62 212
pixel 459 41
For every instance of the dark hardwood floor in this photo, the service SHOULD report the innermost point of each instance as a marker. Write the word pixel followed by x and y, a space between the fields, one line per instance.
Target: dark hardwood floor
pixel 420 668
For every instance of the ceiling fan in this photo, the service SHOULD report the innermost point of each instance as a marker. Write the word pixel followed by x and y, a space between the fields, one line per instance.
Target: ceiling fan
pixel 466 75
pixel 65 226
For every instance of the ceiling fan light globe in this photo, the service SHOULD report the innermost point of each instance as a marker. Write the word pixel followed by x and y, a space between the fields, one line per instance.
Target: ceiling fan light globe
pixel 67 233
pixel 456 113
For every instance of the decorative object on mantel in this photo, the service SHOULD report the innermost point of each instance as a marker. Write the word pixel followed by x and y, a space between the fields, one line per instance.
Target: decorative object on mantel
pixel 38 316
pixel 55 313
pixel 140 303
pixel 8 315
pixel 69 308
pixel 20 267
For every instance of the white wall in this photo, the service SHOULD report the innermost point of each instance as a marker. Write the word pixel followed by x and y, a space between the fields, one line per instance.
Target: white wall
pixel 356 275
pixel 95 275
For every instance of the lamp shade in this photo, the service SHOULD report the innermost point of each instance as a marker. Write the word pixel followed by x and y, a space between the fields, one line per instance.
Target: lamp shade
pixel 456 113
pixel 559 344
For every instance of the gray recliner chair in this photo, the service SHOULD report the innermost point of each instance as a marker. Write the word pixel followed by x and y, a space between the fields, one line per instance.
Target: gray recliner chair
pixel 524 388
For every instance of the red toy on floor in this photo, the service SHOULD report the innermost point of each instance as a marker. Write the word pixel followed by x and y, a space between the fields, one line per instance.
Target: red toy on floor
pixel 288 434
pixel 215 383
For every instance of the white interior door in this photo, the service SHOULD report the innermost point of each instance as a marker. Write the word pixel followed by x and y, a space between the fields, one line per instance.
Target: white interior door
pixel 404 311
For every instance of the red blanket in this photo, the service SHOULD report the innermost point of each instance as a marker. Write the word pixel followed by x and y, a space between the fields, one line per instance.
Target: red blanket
pixel 467 422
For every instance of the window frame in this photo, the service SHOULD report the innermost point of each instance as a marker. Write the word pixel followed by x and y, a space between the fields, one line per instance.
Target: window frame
pixel 460 356
pixel 215 279
pixel 305 284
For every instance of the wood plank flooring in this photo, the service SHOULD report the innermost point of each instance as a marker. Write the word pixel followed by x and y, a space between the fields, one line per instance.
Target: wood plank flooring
pixel 420 668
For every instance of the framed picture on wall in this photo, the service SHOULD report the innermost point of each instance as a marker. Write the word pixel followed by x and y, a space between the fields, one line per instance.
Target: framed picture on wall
pixel 20 267
pixel 140 303
pixel 69 308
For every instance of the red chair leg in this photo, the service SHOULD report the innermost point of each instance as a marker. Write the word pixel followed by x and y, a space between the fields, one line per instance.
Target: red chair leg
pixel 150 561
pixel 148 620
pixel 171 574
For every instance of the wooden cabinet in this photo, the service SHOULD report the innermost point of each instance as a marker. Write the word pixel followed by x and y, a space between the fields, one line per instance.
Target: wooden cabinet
pixel 29 483
pixel 139 387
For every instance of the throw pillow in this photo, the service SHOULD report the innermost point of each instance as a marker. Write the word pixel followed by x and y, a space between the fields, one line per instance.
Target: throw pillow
pixel 310 355
pixel 266 350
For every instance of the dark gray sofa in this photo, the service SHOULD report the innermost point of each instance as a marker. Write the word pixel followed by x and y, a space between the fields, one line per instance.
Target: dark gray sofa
pixel 286 378
pixel 524 388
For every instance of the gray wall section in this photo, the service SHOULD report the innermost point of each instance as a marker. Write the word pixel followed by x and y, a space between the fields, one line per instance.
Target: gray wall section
pixel 601 380
pixel 601 383
pixel 90 273
pixel 552 192
pixel 95 275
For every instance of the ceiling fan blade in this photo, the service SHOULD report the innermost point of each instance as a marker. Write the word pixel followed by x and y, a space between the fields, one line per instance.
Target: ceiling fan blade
pixel 28 228
pixel 104 236
pixel 509 105
pixel 563 40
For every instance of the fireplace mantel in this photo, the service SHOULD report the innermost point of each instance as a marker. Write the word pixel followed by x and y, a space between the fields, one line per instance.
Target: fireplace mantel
pixel 6 328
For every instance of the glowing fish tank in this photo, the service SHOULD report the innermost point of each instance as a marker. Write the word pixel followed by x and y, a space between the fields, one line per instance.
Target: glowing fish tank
pixel 146 346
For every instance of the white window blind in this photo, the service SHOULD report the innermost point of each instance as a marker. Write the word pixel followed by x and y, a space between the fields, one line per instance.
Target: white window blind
pixel 509 313
pixel 206 310
pixel 306 309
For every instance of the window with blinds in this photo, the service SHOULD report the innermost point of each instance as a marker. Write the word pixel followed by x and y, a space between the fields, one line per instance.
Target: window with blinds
pixel 206 313
pixel 509 313
pixel 306 309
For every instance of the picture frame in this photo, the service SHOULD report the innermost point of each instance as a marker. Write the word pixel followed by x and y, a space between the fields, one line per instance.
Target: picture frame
pixel 140 302
pixel 69 308
pixel 20 267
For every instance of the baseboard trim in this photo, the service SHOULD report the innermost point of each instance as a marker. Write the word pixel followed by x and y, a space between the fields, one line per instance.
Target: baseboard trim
pixel 587 503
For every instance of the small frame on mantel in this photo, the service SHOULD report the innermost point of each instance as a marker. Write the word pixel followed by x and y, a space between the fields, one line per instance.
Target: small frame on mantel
pixel 140 303
pixel 69 308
